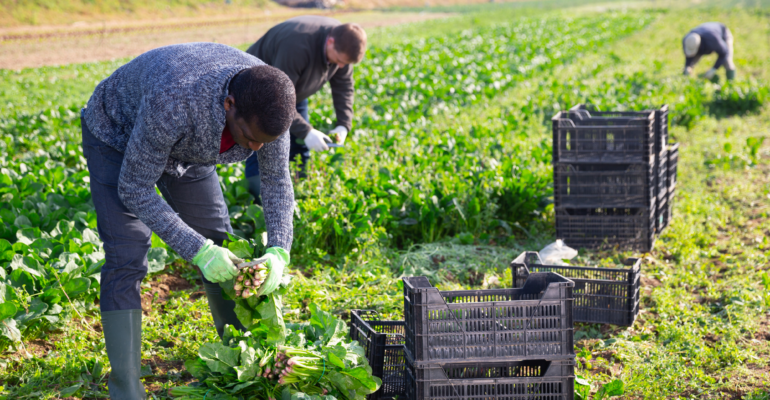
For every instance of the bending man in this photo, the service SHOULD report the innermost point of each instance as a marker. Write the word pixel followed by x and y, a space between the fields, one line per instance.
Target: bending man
pixel 711 37
pixel 167 118
pixel 311 51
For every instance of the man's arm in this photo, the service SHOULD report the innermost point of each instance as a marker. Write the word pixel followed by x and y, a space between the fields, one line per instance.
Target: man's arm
pixel 156 129
pixel 342 95
pixel 277 192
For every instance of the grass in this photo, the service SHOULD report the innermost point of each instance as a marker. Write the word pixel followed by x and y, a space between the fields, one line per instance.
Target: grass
pixel 704 328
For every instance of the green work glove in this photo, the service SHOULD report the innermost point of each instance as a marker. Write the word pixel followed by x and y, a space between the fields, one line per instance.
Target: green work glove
pixel 215 262
pixel 277 260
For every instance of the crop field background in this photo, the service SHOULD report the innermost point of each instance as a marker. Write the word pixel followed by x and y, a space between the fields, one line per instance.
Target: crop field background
pixel 447 175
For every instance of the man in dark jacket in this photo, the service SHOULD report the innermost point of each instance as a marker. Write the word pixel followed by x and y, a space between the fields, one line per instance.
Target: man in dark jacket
pixel 711 37
pixel 166 119
pixel 312 50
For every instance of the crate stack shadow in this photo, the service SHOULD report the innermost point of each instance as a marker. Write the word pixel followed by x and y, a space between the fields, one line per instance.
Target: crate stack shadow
pixel 611 177
pixel 467 344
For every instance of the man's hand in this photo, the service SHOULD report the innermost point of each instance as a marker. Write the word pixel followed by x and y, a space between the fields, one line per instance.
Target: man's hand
pixel 338 134
pixel 277 260
pixel 687 71
pixel 215 262
pixel 315 140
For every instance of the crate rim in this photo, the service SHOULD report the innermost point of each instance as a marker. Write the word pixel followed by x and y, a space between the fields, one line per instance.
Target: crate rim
pixel 635 266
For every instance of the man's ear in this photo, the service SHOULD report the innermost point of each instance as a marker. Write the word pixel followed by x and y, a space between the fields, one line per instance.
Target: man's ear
pixel 229 102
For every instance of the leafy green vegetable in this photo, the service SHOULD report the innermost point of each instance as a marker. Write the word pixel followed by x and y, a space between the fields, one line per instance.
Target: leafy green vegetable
pixel 318 364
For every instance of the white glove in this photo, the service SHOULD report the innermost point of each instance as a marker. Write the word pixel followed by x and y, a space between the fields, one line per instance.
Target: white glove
pixel 316 140
pixel 338 134
pixel 688 71
pixel 710 73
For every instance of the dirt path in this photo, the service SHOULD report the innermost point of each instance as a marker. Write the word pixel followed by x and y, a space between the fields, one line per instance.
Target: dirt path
pixel 107 45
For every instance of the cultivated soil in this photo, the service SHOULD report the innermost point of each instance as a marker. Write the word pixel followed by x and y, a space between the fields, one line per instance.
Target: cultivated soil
pixel 37 48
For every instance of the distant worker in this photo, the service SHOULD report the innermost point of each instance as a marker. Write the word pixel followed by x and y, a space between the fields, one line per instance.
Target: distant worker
pixel 711 37
pixel 311 50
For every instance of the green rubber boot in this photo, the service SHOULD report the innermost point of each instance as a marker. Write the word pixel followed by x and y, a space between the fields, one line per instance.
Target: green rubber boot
pixel 123 337
pixel 730 74
pixel 222 311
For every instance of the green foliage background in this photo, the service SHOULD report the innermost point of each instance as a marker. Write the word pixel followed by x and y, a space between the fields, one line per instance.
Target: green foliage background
pixel 446 175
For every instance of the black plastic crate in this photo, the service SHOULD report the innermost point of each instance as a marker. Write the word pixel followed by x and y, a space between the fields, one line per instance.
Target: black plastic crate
pixel 629 228
pixel 668 210
pixel 661 128
pixel 602 295
pixel 383 342
pixel 661 121
pixel 603 185
pixel 661 176
pixel 673 161
pixel 492 380
pixel 534 321
pixel 580 138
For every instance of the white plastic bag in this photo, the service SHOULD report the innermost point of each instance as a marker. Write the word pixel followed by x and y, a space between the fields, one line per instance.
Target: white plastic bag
pixel 556 252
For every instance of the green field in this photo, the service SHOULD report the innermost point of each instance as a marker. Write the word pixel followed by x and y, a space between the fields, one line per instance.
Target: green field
pixel 447 175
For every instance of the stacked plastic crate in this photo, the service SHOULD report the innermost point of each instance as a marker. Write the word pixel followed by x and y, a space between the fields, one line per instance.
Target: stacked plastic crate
pixel 499 343
pixel 383 343
pixel 602 295
pixel 610 175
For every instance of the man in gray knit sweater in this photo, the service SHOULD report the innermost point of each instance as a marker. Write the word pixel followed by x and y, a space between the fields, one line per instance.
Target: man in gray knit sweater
pixel 166 119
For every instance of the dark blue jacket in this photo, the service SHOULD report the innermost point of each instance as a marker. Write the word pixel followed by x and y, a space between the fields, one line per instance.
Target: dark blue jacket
pixel 713 39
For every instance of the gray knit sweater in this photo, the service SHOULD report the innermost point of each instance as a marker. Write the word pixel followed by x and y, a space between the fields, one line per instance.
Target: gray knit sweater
pixel 164 111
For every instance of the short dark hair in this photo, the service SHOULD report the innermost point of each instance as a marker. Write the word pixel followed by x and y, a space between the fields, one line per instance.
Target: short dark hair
pixel 350 40
pixel 267 94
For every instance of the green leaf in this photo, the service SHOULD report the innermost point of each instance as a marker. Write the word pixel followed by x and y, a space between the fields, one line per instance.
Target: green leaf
pixel 91 237
pixel 7 310
pixel 197 368
pixel 6 250
pixel 364 377
pixel 249 367
pixel 26 263
pixel 241 249
pixel 219 358
pixel 8 329
pixel 23 280
pixel 146 371
pixel 156 260
pixel 69 391
pixel 33 312
pixel 614 388
pixel 272 317
pixel 333 330
pixel 77 286
pixel 244 314
pixel 334 360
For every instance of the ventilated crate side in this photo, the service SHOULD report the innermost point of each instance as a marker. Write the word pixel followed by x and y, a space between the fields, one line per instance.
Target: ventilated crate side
pixel 669 211
pixel 661 128
pixel 603 185
pixel 631 228
pixel 530 379
pixel 602 295
pixel 673 161
pixel 661 176
pixel 661 120
pixel 535 320
pixel 602 140
pixel 383 342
